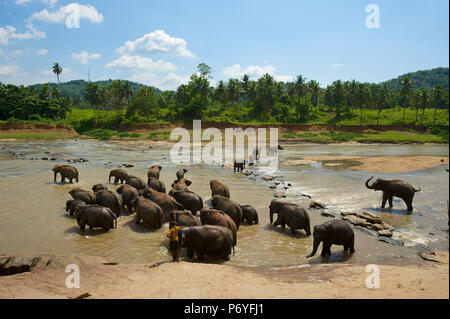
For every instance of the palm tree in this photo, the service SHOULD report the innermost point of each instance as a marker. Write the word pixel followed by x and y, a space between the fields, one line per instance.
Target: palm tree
pixel 361 97
pixel 300 86
pixel 92 96
pixel 383 97
pixel 423 103
pixel 57 70
pixel 314 88
pixel 438 100
pixel 405 93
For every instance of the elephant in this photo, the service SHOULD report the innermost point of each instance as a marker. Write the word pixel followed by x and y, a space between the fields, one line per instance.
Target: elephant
pixel 181 184
pixel 239 166
pixel 217 188
pixel 147 211
pixel 72 204
pixel 184 218
pixel 111 200
pixel 154 171
pixel 249 214
pixel 219 218
pixel 291 214
pixel 166 202
pixel 188 199
pixel 180 173
pixel 394 187
pixel 128 193
pixel 136 182
pixel 156 184
pixel 333 232
pixel 66 171
pixel 229 207
pixel 85 196
pixel 119 175
pixel 95 216
pixel 210 240
pixel 99 187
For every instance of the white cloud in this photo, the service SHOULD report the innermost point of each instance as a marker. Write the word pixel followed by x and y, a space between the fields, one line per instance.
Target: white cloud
pixel 8 69
pixel 156 42
pixel 140 64
pixel 336 65
pixel 50 3
pixel 84 57
pixel 169 82
pixel 42 52
pixel 284 78
pixel 9 33
pixel 253 71
pixel 70 14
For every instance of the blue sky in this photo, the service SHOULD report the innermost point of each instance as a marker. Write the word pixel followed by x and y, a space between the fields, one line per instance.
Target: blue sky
pixel 160 43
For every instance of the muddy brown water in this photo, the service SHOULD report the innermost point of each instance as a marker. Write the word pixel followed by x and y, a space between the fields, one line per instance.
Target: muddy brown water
pixel 33 218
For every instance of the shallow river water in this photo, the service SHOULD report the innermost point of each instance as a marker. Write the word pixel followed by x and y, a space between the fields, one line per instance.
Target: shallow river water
pixel 33 218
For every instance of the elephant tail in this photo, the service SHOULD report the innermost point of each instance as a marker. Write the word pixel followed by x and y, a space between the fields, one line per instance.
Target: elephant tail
pixel 115 222
pixel 417 190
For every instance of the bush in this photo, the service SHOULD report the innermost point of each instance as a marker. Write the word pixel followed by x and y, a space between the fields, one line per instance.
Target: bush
pixel 124 134
pixel 101 134
pixel 34 117
pixel 135 135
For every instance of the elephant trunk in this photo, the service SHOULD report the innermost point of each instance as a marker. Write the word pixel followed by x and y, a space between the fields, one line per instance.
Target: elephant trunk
pixel 367 183
pixel 271 217
pixel 316 245
pixel 54 177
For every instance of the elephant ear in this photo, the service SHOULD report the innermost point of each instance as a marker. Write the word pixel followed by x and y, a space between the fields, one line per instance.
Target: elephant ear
pixel 187 182
pixel 185 170
pixel 160 168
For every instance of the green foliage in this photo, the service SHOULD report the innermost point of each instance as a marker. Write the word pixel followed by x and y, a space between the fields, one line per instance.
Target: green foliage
pixel 422 79
pixel 101 134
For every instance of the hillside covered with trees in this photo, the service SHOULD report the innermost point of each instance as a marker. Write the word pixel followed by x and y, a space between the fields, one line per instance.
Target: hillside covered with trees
pixel 243 100
pixel 426 79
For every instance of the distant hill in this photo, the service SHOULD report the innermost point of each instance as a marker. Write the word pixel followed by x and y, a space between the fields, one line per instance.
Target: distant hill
pixel 426 79
pixel 76 88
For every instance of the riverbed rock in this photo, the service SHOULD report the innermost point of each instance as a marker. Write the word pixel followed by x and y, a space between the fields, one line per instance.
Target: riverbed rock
pixel 279 194
pixel 385 233
pixel 327 215
pixel 343 214
pixel 355 220
pixel 128 165
pixel 273 186
pixel 316 205
pixel 11 265
pixel 370 217
pixel 267 178
pixel 248 172
pixel 433 255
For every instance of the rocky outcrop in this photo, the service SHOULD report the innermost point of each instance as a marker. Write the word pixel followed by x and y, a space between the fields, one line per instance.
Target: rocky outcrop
pixel 11 265
pixel 369 221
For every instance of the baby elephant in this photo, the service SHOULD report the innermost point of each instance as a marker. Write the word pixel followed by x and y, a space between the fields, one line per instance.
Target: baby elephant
pixel 72 204
pixel 66 171
pixel 239 166
pixel 333 232
pixel 249 214
pixel 95 217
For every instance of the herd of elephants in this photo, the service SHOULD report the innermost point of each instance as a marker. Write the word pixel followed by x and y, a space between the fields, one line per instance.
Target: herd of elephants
pixel 214 233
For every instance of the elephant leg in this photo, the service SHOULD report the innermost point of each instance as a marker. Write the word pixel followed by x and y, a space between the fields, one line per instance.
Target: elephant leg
pixel 346 248
pixel 71 180
pixel 385 198
pixel 408 203
pixel 329 250
pixel 292 231
pixel 391 197
pixel 352 246
pixel 82 223
pixel 115 179
pixel 190 252
pixel 324 250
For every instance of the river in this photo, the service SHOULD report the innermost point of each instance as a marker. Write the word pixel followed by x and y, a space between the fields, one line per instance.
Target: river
pixel 34 221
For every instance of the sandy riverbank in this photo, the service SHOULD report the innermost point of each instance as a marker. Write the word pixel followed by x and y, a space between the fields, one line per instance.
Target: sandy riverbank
pixel 386 164
pixel 399 279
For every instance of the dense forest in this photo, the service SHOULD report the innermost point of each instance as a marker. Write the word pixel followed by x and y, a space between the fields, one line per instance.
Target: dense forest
pixel 238 100
pixel 427 79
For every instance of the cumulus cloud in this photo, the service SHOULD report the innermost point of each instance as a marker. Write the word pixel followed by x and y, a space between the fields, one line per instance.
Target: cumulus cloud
pixel 8 69
pixel 42 52
pixel 336 65
pixel 84 57
pixel 10 33
pixel 156 42
pixel 70 14
pixel 50 3
pixel 253 71
pixel 284 78
pixel 168 82
pixel 139 64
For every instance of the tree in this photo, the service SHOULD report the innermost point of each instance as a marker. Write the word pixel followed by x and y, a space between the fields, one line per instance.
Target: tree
pixel 143 103
pixel 405 93
pixel 314 88
pixel 361 97
pixel 424 100
pixel 92 96
pixel 57 70
pixel 338 97
pixel 437 99
pixel 204 70
pixel 300 86
pixel 383 97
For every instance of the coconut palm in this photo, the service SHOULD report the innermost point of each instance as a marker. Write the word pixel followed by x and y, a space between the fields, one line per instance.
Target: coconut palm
pixel 57 69
pixel 438 99
pixel 424 100
pixel 315 89
pixel 361 97
pixel 405 93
